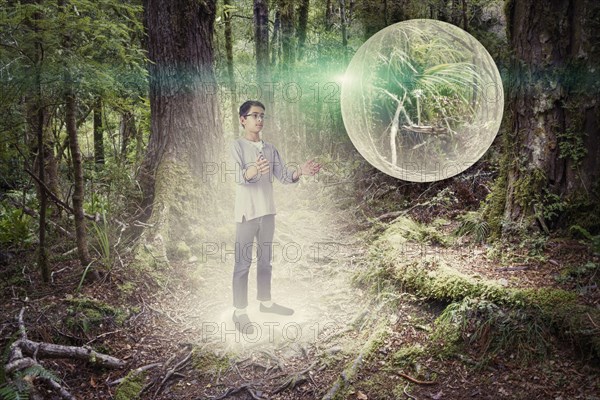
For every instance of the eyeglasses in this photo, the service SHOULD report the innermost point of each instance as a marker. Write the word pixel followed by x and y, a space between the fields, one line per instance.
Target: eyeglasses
pixel 256 116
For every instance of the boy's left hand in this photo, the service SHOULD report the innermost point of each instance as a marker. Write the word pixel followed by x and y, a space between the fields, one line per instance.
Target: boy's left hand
pixel 310 168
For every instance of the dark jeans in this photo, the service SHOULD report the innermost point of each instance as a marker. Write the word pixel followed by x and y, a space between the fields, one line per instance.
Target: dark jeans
pixel 263 229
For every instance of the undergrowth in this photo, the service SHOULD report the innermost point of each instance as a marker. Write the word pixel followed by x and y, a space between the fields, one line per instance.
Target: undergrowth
pixel 482 315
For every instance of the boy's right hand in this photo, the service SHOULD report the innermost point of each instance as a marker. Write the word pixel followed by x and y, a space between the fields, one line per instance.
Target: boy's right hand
pixel 262 164
pixel 260 167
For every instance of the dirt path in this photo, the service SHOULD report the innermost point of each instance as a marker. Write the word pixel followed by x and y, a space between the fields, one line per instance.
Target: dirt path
pixel 313 262
pixel 310 275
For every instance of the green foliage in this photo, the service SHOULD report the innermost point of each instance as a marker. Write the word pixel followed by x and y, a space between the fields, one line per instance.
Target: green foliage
pixel 551 205
pixel 405 229
pixel 495 202
pixel 103 246
pixel 207 362
pixel 528 186
pixel 472 223
pixel 14 391
pixel 572 146
pixel 19 387
pixel 86 314
pixel 593 239
pixel 585 276
pixel 406 356
pixel 131 386
pixel 16 227
pixel 519 315
pixel 489 329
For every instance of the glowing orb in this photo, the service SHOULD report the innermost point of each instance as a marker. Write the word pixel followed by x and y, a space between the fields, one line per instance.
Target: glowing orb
pixel 422 100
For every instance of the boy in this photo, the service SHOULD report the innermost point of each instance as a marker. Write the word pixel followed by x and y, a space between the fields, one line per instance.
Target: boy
pixel 256 164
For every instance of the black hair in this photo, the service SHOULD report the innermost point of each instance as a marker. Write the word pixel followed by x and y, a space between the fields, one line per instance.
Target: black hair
pixel 248 104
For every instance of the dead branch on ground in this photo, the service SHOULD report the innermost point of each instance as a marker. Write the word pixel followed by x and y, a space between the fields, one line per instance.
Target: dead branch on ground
pixel 24 354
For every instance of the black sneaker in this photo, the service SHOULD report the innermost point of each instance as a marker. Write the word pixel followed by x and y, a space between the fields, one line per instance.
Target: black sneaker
pixel 243 324
pixel 276 309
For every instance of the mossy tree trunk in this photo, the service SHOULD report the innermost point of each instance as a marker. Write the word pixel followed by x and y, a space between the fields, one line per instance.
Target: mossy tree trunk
pixel 552 149
pixel 186 130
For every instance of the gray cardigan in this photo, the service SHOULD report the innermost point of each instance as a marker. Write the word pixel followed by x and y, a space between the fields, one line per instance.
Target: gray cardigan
pixel 254 197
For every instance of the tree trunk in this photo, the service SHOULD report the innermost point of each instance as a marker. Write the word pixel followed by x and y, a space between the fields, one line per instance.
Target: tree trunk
pixel 442 14
pixel 76 159
pixel 42 252
pixel 286 114
pixel 127 130
pixel 98 134
pixel 263 70
pixel 35 113
pixel 455 13
pixel 343 26
pixel 465 21
pixel 552 165
pixel 275 42
pixel 229 52
pixel 261 39
pixel 186 132
pixel 328 16
pixel 302 24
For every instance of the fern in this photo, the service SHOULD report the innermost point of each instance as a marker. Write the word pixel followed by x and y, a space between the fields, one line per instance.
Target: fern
pixel 18 388
pixel 13 392
pixel 472 223
pixel 38 371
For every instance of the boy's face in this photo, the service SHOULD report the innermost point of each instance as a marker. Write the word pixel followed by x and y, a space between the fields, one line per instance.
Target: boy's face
pixel 251 124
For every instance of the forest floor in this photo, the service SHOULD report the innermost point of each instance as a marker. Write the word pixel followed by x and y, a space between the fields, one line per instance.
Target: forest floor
pixel 346 340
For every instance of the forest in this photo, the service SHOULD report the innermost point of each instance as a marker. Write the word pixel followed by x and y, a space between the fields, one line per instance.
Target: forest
pixel 119 239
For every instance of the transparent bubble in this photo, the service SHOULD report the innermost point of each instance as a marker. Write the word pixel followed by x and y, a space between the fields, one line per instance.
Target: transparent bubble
pixel 422 100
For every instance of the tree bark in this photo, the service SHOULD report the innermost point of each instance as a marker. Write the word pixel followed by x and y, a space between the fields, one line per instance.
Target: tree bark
pixel 77 162
pixel 275 41
pixel 229 52
pixel 263 71
pixel 343 26
pixel 328 16
pixel 35 119
pixel 302 24
pixel 261 39
pixel 42 252
pixel 98 133
pixel 465 21
pixel 127 130
pixel 76 159
pixel 186 132
pixel 553 147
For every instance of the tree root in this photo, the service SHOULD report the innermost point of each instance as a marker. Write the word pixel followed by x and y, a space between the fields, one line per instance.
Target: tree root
pixel 408 394
pixel 295 380
pixel 248 387
pixel 414 380
pixel 169 374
